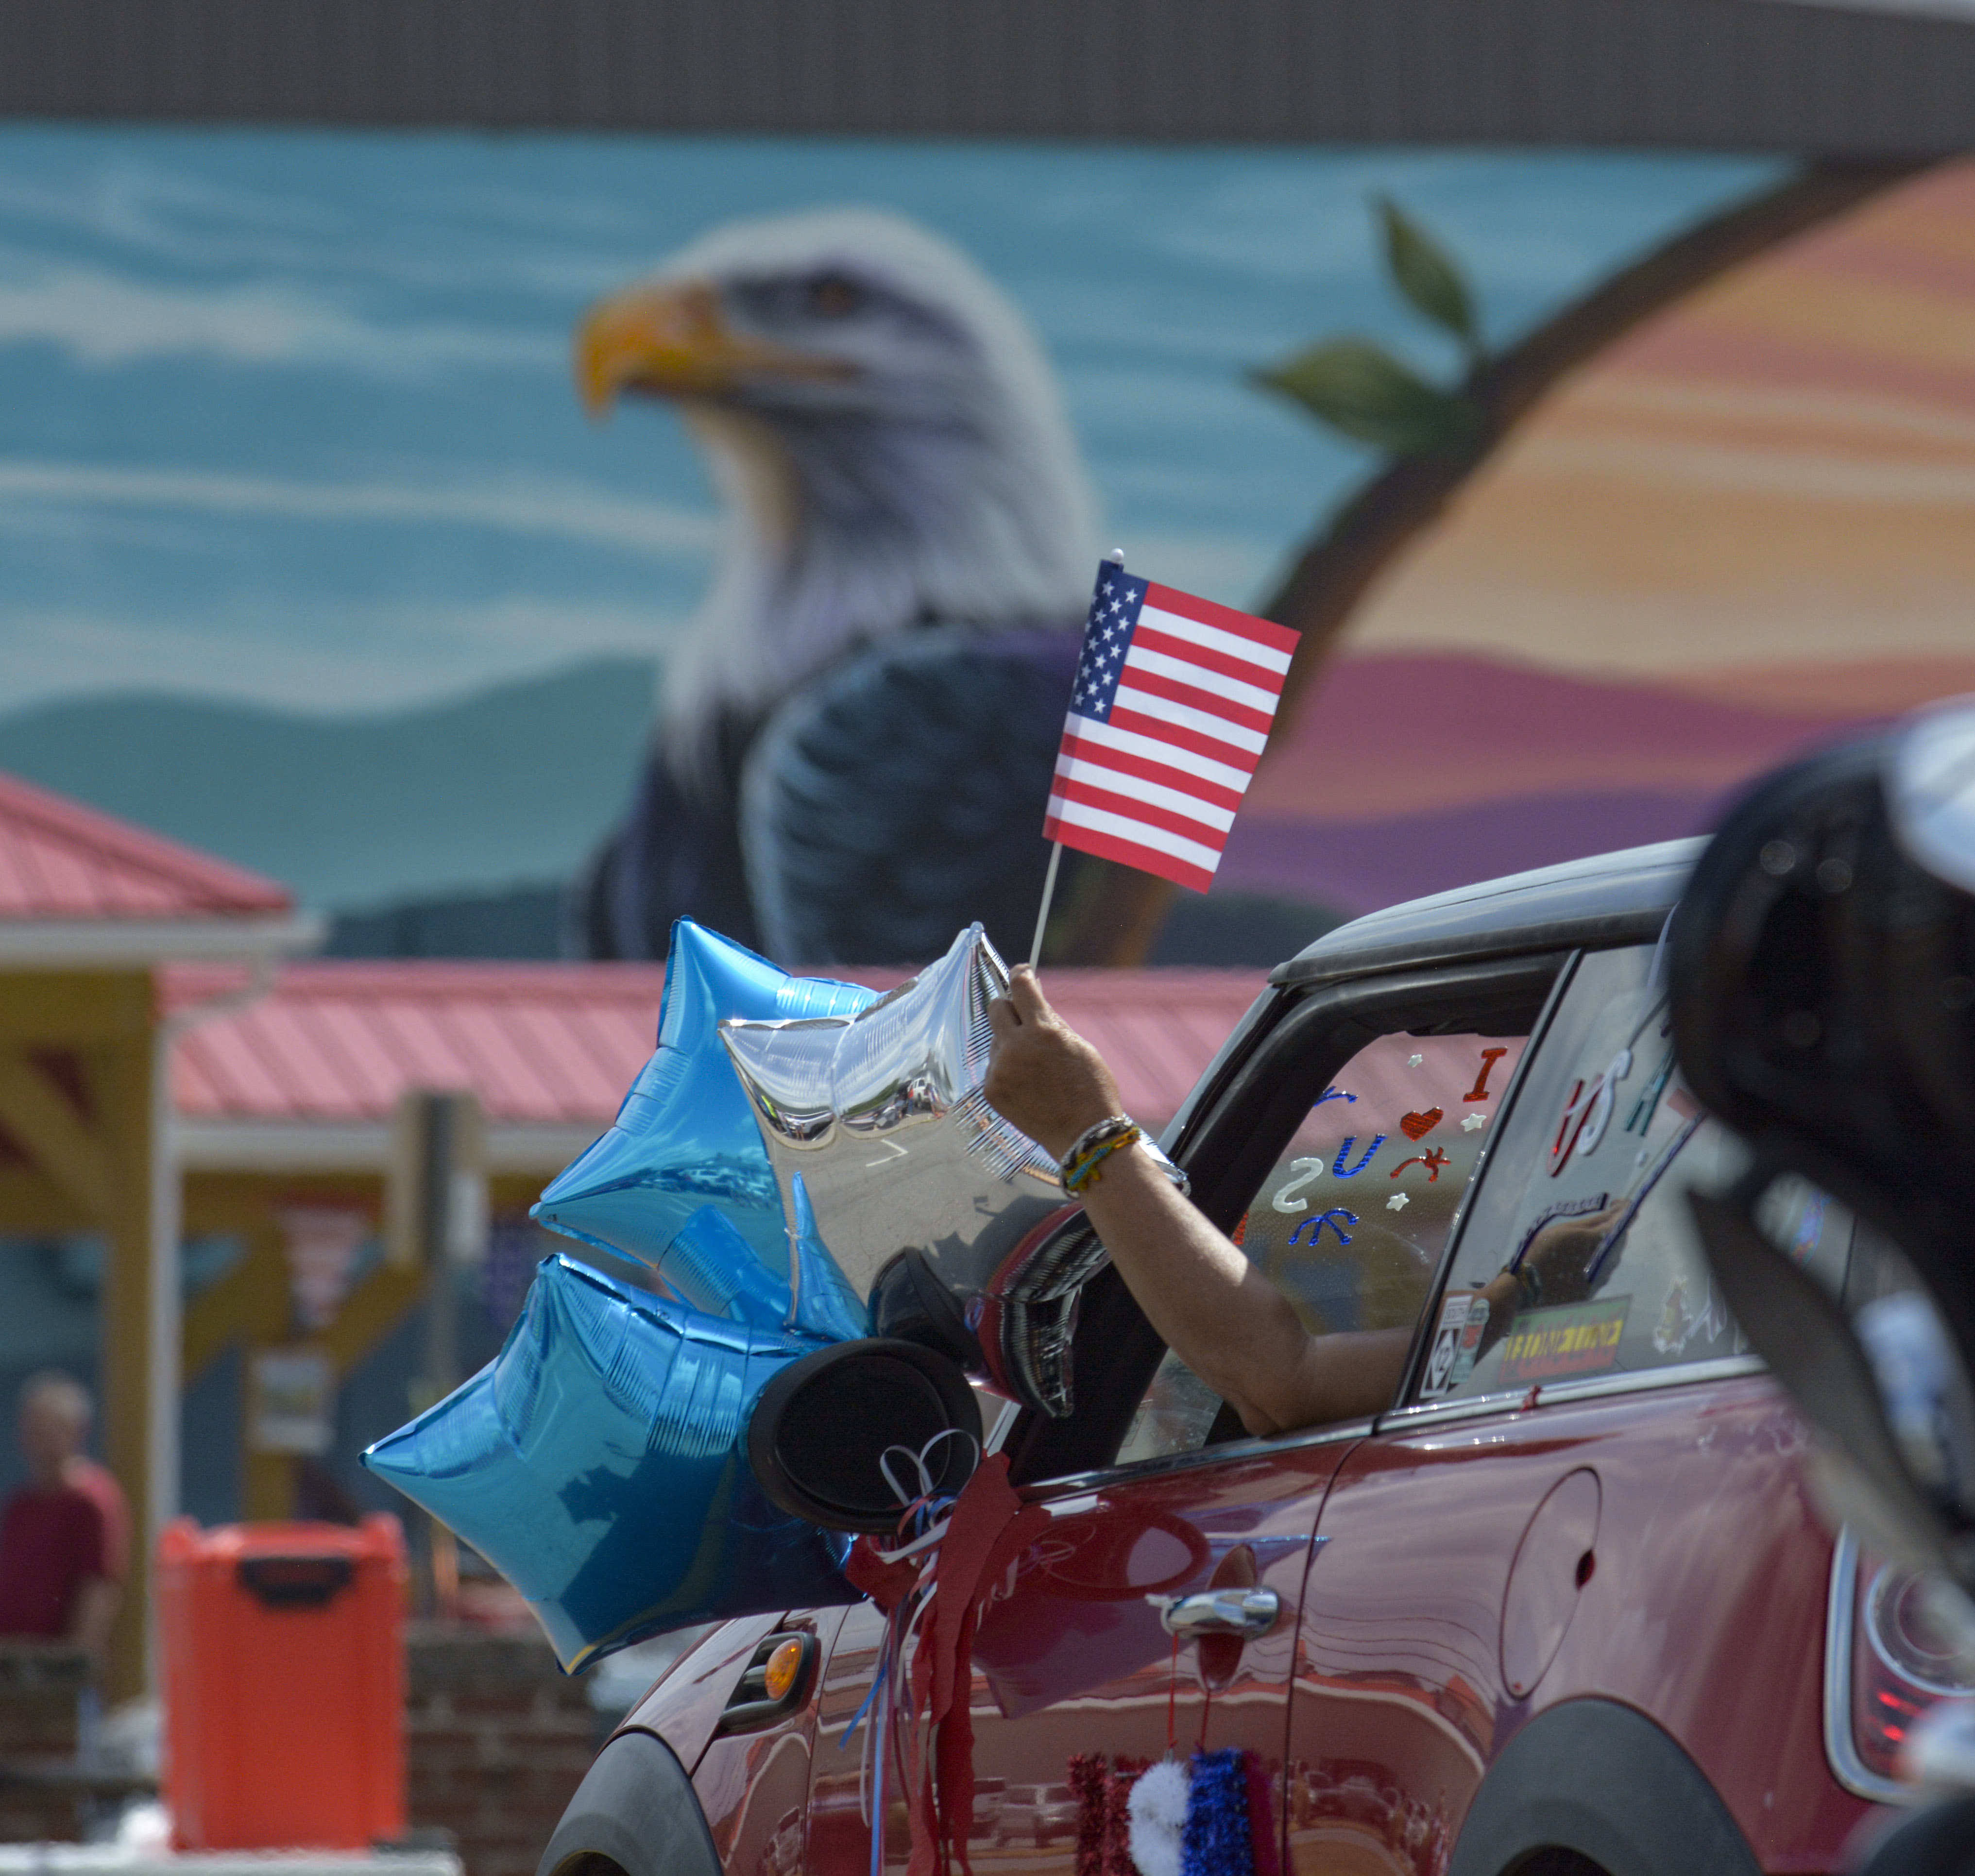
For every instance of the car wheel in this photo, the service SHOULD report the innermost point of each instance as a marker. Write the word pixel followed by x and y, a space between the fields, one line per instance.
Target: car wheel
pixel 635 1814
pixel 1601 1786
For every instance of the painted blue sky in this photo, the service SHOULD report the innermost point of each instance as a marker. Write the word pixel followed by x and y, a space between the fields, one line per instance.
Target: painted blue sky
pixel 288 417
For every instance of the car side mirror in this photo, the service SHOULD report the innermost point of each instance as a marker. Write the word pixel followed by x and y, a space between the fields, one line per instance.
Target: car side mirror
pixel 819 1435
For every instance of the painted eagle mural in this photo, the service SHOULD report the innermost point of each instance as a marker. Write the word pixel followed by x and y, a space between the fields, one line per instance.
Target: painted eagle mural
pixel 856 739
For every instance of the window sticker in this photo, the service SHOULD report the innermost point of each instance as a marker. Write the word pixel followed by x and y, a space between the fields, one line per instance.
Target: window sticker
pixel 1683 1318
pixel 1307 1172
pixel 1554 1345
pixel 1337 1165
pixel 1810 1231
pixel 1417 1126
pixel 1470 1349
pixel 1454 1313
pixel 1314 1226
pixel 1432 1159
pixel 1641 1119
pixel 1479 1091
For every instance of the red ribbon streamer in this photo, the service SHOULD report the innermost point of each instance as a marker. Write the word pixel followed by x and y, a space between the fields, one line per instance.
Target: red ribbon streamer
pixel 989 1529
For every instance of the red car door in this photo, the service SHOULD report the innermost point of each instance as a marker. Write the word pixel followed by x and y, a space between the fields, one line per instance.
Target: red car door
pixel 1076 1660
pixel 1077 1664
pixel 1592 1494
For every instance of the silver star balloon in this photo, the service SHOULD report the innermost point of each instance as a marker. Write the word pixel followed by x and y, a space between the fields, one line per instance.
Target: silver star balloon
pixel 882 1116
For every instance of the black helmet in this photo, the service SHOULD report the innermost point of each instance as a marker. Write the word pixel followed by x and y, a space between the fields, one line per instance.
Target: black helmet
pixel 1822 967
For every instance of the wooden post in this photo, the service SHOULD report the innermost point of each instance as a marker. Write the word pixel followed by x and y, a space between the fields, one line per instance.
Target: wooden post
pixel 80 1085
pixel 138 1378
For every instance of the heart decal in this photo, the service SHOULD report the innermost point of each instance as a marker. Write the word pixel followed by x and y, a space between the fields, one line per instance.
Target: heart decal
pixel 1417 1126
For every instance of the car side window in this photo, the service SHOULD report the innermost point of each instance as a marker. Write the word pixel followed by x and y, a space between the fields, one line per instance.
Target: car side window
pixel 1352 1220
pixel 1585 1202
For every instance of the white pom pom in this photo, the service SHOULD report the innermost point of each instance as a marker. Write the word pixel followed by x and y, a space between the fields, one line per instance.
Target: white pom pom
pixel 1158 1805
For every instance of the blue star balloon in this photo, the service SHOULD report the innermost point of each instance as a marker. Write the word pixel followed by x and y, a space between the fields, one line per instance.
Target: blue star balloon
pixel 598 1462
pixel 681 1181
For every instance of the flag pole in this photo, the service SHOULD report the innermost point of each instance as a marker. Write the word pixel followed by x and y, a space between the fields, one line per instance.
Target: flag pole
pixel 1049 893
pixel 1116 557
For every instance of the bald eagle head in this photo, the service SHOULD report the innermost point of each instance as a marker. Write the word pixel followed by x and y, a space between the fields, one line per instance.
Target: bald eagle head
pixel 884 428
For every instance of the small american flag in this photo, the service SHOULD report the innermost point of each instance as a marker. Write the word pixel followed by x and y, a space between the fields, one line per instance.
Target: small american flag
pixel 1167 718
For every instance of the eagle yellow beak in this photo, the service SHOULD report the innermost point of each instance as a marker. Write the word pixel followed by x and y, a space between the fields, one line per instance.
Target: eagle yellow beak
pixel 671 342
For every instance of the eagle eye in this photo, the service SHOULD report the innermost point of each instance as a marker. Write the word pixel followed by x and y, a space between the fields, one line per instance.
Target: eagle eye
pixel 835 296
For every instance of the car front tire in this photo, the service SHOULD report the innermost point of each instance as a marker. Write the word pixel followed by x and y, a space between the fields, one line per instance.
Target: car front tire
pixel 635 1814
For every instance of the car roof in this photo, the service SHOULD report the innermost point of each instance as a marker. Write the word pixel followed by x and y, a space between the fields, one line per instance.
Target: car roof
pixel 1611 898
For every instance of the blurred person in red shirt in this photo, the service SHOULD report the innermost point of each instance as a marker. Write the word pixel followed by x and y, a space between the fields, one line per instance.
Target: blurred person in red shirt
pixel 64 1534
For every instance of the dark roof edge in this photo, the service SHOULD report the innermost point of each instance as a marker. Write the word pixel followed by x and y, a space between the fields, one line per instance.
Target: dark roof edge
pixel 1609 899
pixel 1828 80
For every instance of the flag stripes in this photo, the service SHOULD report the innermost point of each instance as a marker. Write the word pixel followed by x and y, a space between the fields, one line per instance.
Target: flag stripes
pixel 1200 658
pixel 1169 714
pixel 1209 793
pixel 1194 706
pixel 1117 743
pixel 1168 808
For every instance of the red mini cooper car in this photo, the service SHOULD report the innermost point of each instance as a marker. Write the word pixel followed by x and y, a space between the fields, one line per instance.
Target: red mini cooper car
pixel 1568 1605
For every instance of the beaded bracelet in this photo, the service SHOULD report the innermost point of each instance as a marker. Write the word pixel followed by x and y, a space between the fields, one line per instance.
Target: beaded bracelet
pixel 1095 1143
pixel 1086 1170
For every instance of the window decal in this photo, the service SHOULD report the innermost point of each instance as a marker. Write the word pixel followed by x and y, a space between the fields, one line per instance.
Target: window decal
pixel 1479 1091
pixel 1314 1226
pixel 1432 1159
pixel 1307 1172
pixel 1365 1160
pixel 1577 1338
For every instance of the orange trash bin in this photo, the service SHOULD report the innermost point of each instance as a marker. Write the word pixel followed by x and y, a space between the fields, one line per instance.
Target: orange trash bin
pixel 285 1684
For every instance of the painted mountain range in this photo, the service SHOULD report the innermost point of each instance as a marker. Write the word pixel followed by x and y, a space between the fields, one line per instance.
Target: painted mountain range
pixel 1408 773
pixel 513 785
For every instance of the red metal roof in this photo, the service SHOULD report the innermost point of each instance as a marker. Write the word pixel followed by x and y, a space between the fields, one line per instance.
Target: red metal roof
pixel 59 860
pixel 544 1043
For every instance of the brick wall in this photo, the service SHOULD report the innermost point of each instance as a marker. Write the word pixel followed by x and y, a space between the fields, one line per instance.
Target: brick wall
pixel 40 1685
pixel 497 1738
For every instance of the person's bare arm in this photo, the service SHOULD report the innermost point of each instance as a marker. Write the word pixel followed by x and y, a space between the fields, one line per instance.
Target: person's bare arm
pixel 95 1609
pixel 1213 1308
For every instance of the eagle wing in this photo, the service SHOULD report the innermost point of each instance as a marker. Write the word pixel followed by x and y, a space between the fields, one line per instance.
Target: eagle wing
pixel 676 854
pixel 899 796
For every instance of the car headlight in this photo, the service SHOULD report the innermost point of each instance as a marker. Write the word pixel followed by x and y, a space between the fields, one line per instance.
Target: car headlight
pixel 1891 1654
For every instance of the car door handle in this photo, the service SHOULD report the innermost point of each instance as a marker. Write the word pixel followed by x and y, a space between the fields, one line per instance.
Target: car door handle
pixel 1245 1612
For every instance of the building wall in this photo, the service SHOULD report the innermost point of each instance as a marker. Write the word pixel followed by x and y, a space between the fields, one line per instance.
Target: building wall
pixel 497 1738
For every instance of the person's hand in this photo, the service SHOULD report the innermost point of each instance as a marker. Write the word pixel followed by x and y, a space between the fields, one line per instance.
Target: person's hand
pixel 1042 1077
pixel 1561 1252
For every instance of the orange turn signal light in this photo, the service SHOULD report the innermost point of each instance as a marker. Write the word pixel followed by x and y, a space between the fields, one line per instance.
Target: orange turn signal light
pixel 784 1666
